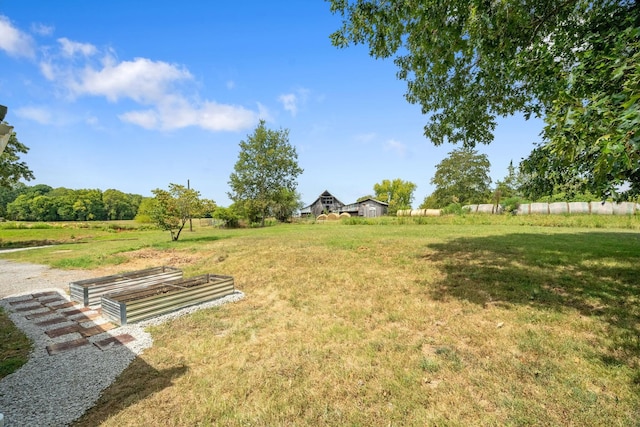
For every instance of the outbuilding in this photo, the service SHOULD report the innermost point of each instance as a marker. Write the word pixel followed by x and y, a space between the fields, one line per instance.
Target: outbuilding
pixel 328 203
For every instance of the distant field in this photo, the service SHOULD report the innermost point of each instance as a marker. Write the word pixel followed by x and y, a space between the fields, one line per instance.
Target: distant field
pixel 476 320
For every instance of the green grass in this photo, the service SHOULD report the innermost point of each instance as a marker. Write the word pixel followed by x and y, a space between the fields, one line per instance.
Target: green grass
pixel 14 346
pixel 475 320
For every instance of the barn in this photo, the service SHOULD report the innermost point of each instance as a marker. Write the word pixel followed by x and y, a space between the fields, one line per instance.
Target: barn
pixel 368 208
pixel 327 202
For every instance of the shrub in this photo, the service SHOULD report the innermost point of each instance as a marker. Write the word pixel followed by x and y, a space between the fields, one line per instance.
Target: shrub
pixel 453 209
pixel 228 216
pixel 511 204
pixel 144 219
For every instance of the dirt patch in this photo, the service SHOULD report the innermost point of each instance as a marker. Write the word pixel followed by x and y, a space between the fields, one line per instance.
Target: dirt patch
pixel 172 257
pixel 147 258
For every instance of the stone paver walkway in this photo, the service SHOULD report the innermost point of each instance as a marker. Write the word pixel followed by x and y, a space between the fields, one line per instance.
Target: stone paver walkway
pixel 67 319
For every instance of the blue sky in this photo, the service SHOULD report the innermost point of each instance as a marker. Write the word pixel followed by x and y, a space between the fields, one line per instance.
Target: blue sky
pixel 134 95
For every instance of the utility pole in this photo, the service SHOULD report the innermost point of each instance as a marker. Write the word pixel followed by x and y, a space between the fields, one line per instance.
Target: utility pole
pixel 190 223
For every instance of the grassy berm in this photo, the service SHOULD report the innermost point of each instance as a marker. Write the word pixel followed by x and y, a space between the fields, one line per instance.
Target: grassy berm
pixel 458 321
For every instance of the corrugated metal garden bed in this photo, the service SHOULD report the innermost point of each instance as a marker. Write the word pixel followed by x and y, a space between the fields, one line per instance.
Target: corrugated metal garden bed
pixel 90 291
pixel 154 300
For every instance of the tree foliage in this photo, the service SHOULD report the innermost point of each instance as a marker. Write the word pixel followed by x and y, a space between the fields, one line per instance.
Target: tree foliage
pixel 11 168
pixel 146 207
pixel 285 204
pixel 43 203
pixel 397 193
pixel 228 216
pixel 510 185
pixel 174 207
pixel 462 177
pixel 265 173
pixel 573 62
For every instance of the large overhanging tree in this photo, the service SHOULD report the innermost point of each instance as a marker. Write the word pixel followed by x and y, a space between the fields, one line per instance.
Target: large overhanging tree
pixel 11 168
pixel 468 62
pixel 265 172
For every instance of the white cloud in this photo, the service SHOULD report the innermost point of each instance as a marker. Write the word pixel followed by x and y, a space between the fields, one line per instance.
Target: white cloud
pixel 14 41
pixel 152 83
pixel 42 29
pixel 292 101
pixel 70 48
pixel 142 80
pixel 48 70
pixel 399 148
pixel 214 116
pixel 175 112
pixel 147 119
pixel 37 114
pixel 159 88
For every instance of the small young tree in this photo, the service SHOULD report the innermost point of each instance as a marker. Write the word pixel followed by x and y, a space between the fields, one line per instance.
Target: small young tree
pixel 509 185
pixel 173 208
pixel 267 164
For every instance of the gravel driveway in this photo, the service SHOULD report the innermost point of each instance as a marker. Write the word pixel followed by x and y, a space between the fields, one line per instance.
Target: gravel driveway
pixel 19 278
pixel 54 389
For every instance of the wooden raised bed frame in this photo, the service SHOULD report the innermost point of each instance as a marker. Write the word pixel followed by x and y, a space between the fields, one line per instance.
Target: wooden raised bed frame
pixel 154 300
pixel 90 291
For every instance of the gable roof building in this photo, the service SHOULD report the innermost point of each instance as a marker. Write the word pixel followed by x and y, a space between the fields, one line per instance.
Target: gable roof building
pixel 368 208
pixel 327 202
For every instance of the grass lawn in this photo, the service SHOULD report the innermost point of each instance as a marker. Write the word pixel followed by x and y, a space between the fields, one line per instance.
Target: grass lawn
pixel 14 346
pixel 453 321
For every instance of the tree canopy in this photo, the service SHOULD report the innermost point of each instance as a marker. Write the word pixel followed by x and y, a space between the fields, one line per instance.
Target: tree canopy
pixel 264 177
pixel 467 62
pixel 44 203
pixel 510 185
pixel 462 177
pixel 11 168
pixel 174 207
pixel 397 193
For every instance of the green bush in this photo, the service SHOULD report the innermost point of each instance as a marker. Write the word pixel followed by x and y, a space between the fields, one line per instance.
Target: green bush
pixel 453 209
pixel 228 216
pixel 143 219
pixel 511 204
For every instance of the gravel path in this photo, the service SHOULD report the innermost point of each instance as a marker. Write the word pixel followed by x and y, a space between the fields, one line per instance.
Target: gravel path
pixel 20 278
pixel 55 390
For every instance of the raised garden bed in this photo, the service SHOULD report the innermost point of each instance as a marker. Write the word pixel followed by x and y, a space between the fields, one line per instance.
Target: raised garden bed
pixel 90 291
pixel 154 300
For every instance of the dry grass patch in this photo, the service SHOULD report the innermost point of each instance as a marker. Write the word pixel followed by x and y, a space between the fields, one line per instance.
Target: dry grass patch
pixel 402 325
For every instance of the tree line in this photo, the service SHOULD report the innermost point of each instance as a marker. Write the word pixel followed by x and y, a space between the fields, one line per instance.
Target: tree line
pixel 41 202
